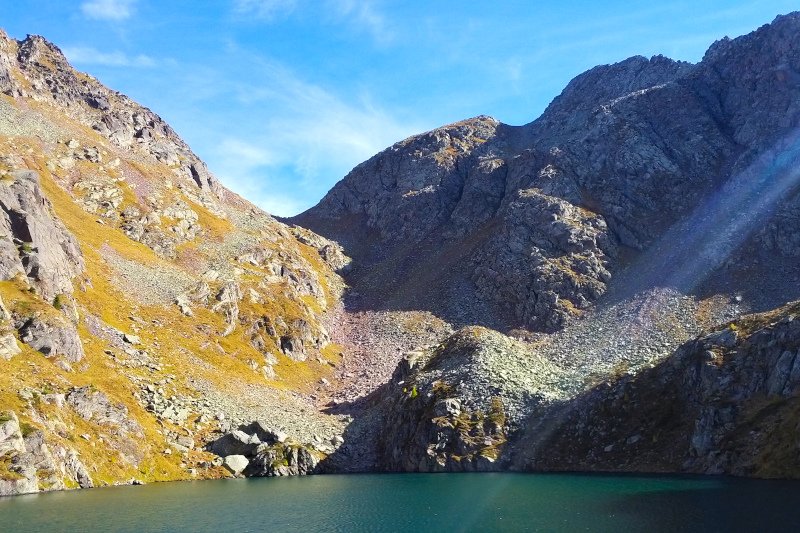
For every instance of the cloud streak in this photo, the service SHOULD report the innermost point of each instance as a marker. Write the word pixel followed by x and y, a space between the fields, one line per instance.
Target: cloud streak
pixel 264 9
pixel 363 15
pixel 113 10
pixel 84 55
pixel 304 140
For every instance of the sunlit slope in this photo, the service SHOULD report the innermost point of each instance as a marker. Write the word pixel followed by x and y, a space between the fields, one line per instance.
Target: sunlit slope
pixel 145 305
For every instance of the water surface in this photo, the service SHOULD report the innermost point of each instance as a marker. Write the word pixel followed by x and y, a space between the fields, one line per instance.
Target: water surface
pixel 419 502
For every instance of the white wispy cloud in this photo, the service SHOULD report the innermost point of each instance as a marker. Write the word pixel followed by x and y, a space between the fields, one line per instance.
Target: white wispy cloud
pixel 364 15
pixel 84 55
pixel 264 9
pixel 307 139
pixel 115 10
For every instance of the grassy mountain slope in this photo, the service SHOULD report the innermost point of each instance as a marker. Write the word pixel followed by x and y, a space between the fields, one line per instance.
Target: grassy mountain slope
pixel 193 309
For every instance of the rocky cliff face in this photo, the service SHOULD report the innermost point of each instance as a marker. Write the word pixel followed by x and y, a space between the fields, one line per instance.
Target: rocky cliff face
pixel 542 216
pixel 145 309
pixel 652 200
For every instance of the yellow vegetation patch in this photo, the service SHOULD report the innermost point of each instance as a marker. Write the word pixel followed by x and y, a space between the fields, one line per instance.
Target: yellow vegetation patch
pixel 184 347
pixel 216 227
pixel 18 297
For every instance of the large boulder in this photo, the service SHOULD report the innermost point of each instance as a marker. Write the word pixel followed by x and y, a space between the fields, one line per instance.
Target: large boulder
pixel 282 460
pixel 93 405
pixel 266 432
pixel 11 440
pixel 235 463
pixel 33 241
pixel 52 335
pixel 236 442
pixel 9 347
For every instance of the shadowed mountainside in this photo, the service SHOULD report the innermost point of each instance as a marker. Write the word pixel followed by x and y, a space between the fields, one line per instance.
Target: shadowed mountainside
pixel 528 226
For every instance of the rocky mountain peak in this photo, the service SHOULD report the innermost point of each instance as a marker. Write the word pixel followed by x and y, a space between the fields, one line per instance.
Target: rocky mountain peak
pixel 35 49
pixel 604 83
pixel 625 152
pixel 765 62
pixel 37 69
pixel 124 264
pixel 779 29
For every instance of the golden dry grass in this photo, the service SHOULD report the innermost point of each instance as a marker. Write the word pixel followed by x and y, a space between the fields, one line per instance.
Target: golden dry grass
pixel 183 346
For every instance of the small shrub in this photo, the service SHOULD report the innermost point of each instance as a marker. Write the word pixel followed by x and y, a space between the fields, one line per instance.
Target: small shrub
pixel 620 370
pixel 442 389
pixel 497 414
pixel 26 429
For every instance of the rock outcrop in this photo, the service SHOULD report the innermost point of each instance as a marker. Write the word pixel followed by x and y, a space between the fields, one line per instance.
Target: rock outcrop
pixel 33 242
pixel 9 347
pixel 724 402
pixel 28 464
pixel 52 336
pixel 452 408
pixel 528 222
pixel 255 450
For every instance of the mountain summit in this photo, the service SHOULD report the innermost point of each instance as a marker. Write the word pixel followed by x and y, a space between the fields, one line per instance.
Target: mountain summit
pixel 145 307
pixel 528 226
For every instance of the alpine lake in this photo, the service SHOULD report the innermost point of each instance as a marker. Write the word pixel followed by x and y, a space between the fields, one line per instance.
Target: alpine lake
pixel 419 502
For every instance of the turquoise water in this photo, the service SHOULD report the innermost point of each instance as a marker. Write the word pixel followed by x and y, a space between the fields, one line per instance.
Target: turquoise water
pixel 418 502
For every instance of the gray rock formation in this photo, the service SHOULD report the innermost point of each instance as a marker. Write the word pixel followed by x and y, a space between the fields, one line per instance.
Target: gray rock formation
pixel 547 262
pixel 235 463
pixel 28 463
pixel 10 436
pixel 53 336
pixel 256 450
pixel 8 342
pixel 94 405
pixel 37 248
pixel 282 460
pixel 227 304
pixel 33 242
pixel 723 403
pixel 330 251
pixel 235 443
pixel 524 226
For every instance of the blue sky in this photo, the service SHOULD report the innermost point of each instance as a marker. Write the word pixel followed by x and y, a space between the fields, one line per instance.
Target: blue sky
pixel 283 97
